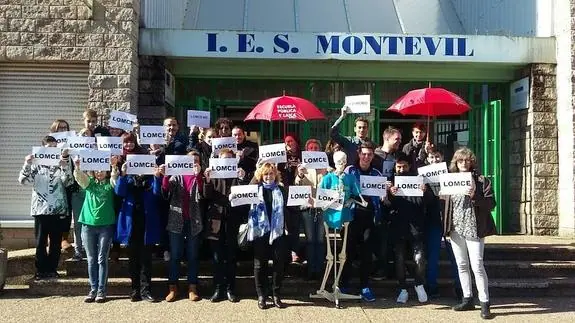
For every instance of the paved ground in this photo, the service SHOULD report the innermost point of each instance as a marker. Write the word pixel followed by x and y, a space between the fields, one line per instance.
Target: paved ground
pixel 16 306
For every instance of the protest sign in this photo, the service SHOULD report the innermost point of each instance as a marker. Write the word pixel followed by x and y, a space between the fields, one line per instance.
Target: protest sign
pixel 409 185
pixel 122 120
pixel 140 164
pixel 62 137
pixel 199 118
pixel 275 153
pixel 358 103
pixel 115 145
pixel 223 168
pixel 244 194
pixel 46 156
pixel 180 165
pixel 314 160
pixel 455 183
pixel 373 185
pixel 152 135
pixel 299 195
pixel 329 198
pixel 221 143
pixel 94 160
pixel 78 144
pixel 432 172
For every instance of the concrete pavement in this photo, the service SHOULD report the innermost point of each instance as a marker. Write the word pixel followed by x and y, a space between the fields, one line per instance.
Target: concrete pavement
pixel 17 306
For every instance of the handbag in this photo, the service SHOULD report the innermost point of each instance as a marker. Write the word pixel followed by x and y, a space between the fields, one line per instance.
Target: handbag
pixel 243 242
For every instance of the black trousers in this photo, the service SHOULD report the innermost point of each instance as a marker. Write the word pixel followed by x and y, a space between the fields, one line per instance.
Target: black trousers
pixel 358 245
pixel 293 226
pixel 140 256
pixel 263 251
pixel 48 226
pixel 224 254
pixel 400 247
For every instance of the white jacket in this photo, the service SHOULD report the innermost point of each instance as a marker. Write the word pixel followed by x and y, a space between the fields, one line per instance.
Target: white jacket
pixel 49 188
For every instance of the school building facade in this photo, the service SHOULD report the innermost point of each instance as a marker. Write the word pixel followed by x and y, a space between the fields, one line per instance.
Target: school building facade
pixel 512 61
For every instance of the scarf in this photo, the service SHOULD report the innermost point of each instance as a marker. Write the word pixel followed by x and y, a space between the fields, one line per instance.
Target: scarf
pixel 258 223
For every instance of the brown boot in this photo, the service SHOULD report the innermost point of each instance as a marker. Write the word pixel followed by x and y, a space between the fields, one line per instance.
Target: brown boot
pixel 193 293
pixel 173 294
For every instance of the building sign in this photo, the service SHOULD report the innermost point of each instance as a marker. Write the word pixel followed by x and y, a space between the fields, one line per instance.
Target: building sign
pixel 355 46
pixel 519 94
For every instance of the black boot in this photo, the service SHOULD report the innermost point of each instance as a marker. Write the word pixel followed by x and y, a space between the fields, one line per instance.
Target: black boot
pixel 231 296
pixel 262 302
pixel 217 296
pixel 278 302
pixel 485 312
pixel 465 305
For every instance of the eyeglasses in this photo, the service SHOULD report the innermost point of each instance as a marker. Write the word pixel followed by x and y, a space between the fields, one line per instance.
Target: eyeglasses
pixel 464 160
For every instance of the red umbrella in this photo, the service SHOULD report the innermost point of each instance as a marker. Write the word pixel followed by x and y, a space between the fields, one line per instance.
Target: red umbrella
pixel 430 102
pixel 285 108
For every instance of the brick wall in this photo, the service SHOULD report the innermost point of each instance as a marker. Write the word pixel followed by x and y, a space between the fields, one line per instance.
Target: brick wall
pixel 152 90
pixel 534 160
pixel 101 33
pixel 17 238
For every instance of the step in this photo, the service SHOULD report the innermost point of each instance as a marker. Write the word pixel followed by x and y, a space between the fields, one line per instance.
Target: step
pixel 292 287
pixel 495 268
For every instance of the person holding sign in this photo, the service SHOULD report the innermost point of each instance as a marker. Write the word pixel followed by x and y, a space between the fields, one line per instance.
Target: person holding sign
pixel 312 216
pixel 417 148
pixel 49 207
pixel 202 145
pixel 467 222
pixel 288 173
pixel 360 228
pixel 266 227
pixel 98 218
pixel 185 196
pixel 350 144
pixel 60 125
pixel 139 227
pixel 434 233
pixel 222 231
pixel 407 229
pixel 176 143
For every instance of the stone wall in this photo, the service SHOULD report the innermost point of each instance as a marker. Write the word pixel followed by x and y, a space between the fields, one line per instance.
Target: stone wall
pixel 534 162
pixel 100 33
pixel 152 90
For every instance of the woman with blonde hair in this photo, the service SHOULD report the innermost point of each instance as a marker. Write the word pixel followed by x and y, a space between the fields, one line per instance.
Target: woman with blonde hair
pixel 266 227
pixel 467 222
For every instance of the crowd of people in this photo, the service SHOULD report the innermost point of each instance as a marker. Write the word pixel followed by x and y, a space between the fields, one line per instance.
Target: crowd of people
pixel 112 210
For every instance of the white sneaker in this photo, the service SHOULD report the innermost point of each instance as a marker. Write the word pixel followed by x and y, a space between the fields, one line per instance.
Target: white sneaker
pixel 421 294
pixel 166 256
pixel 403 296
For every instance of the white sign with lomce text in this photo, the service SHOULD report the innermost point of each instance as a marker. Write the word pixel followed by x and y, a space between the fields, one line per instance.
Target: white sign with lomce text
pixel 152 135
pixel 299 195
pixel 455 183
pixel 122 120
pixel 114 145
pixel 78 144
pixel 140 164
pixel 431 173
pixel 199 118
pixel 223 168
pixel 46 156
pixel 180 165
pixel 409 185
pixel 314 160
pixel 275 153
pixel 358 103
pixel 373 185
pixel 62 137
pixel 94 160
pixel 225 142
pixel 331 199
pixel 244 194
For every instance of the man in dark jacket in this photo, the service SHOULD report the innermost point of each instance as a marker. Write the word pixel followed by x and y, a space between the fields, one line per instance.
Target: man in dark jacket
pixel 418 148
pixel 248 152
pixel 222 230
pixel 407 230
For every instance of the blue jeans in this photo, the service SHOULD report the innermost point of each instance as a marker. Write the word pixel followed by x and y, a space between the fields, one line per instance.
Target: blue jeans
pixel 177 242
pixel 97 241
pixel 315 239
pixel 434 235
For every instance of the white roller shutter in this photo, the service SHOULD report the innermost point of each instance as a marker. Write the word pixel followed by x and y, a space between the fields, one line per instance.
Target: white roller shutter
pixel 32 96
